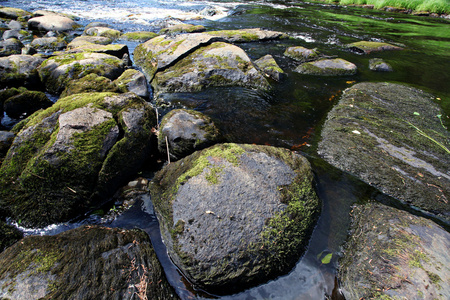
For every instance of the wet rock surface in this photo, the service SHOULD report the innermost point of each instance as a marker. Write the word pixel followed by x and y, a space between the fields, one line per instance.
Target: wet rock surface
pixel 52 23
pixel 122 262
pixel 20 70
pixel 367 47
pixel 327 67
pixel 391 137
pixel 393 254
pixel 235 213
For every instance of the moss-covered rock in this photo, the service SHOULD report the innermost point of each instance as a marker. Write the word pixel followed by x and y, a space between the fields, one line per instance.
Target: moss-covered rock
pixel 327 67
pixel 52 23
pixel 12 12
pixel 87 40
pixel 8 235
pixel 49 44
pixel 379 65
pixel 391 137
pixel 301 54
pixel 103 31
pixel 218 64
pixel 56 72
pixel 366 47
pixel 186 131
pixel 138 36
pixel 117 50
pixel 89 84
pixel 233 215
pixel 73 155
pixel 182 28
pixel 268 65
pixel 26 103
pixel 392 254
pixel 10 46
pixel 133 81
pixel 20 70
pixel 5 94
pixel 85 263
pixel 247 35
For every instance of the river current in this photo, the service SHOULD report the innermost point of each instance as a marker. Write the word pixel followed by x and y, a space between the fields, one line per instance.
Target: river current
pixel 292 115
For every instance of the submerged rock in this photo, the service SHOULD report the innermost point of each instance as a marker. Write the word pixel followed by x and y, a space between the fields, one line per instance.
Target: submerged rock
pixel 327 67
pixel 391 137
pixel 56 72
pixel 379 65
pixel 367 47
pixel 233 215
pixel 392 254
pixel 73 155
pixel 186 131
pixel 20 70
pixel 89 262
pixel 218 64
pixel 270 68
pixel 52 23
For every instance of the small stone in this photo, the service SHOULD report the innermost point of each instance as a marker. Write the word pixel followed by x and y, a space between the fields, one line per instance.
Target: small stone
pixel 379 65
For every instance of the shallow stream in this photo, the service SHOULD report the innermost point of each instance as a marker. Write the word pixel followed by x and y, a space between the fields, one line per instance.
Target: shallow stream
pixel 292 114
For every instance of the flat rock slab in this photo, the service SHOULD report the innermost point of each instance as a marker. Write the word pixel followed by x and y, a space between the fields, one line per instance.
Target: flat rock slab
pixel 52 23
pixel 327 67
pixel 63 266
pixel 367 47
pixel 218 64
pixel 233 216
pixel 391 137
pixel 392 254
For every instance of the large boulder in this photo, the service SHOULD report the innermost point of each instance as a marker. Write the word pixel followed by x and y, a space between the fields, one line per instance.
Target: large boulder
pixel 52 23
pixel 26 103
pixel 218 64
pixel 89 84
pixel 233 215
pixel 73 155
pixel 391 137
pixel 87 40
pixel 10 46
pixel 56 72
pixel 12 12
pixel 327 67
pixel 20 70
pixel 89 262
pixel 182 28
pixel 186 131
pixel 392 254
pixel 49 44
pixel 138 36
pixel 247 35
pixel 301 54
pixel 117 50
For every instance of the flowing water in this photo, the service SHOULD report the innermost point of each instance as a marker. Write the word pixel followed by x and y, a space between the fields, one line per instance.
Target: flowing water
pixel 292 114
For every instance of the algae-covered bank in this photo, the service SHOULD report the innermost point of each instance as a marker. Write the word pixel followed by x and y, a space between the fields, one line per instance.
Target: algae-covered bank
pixel 288 150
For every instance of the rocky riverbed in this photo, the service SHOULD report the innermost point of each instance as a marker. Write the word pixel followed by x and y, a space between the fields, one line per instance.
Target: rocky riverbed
pixel 233 215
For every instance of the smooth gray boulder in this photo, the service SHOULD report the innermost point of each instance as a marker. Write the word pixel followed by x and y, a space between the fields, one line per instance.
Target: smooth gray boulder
pixel 391 137
pixel 327 67
pixel 63 266
pixel 73 156
pixel 56 72
pixel 392 254
pixel 233 216
pixel 218 64
pixel 379 65
pixel 52 23
pixel 133 81
pixel 186 131
pixel 20 70
pixel 15 25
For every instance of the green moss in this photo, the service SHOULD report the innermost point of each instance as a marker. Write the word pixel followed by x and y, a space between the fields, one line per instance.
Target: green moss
pixel 242 35
pixel 141 36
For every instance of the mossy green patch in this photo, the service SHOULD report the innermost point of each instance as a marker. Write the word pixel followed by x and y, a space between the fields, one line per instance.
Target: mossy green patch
pixel 140 36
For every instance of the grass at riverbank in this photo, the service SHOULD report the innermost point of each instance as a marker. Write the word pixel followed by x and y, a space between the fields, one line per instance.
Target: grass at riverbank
pixel 434 6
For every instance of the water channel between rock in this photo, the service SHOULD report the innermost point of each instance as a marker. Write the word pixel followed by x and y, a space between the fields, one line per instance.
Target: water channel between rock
pixel 290 116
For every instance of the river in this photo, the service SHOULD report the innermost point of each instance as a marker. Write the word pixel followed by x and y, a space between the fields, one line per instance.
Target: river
pixel 292 114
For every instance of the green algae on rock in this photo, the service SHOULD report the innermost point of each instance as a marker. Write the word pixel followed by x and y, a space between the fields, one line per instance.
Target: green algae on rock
pixel 20 70
pixel 56 72
pixel 269 66
pixel 12 12
pixel 392 254
pixel 391 137
pixel 64 266
pixel 235 213
pixel 89 84
pixel 367 47
pixel 218 64
pixel 301 54
pixel 138 36
pixel 74 154
pixel 182 28
pixel 327 67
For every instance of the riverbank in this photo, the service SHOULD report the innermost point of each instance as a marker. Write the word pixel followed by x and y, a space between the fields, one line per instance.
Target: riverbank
pixel 418 7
